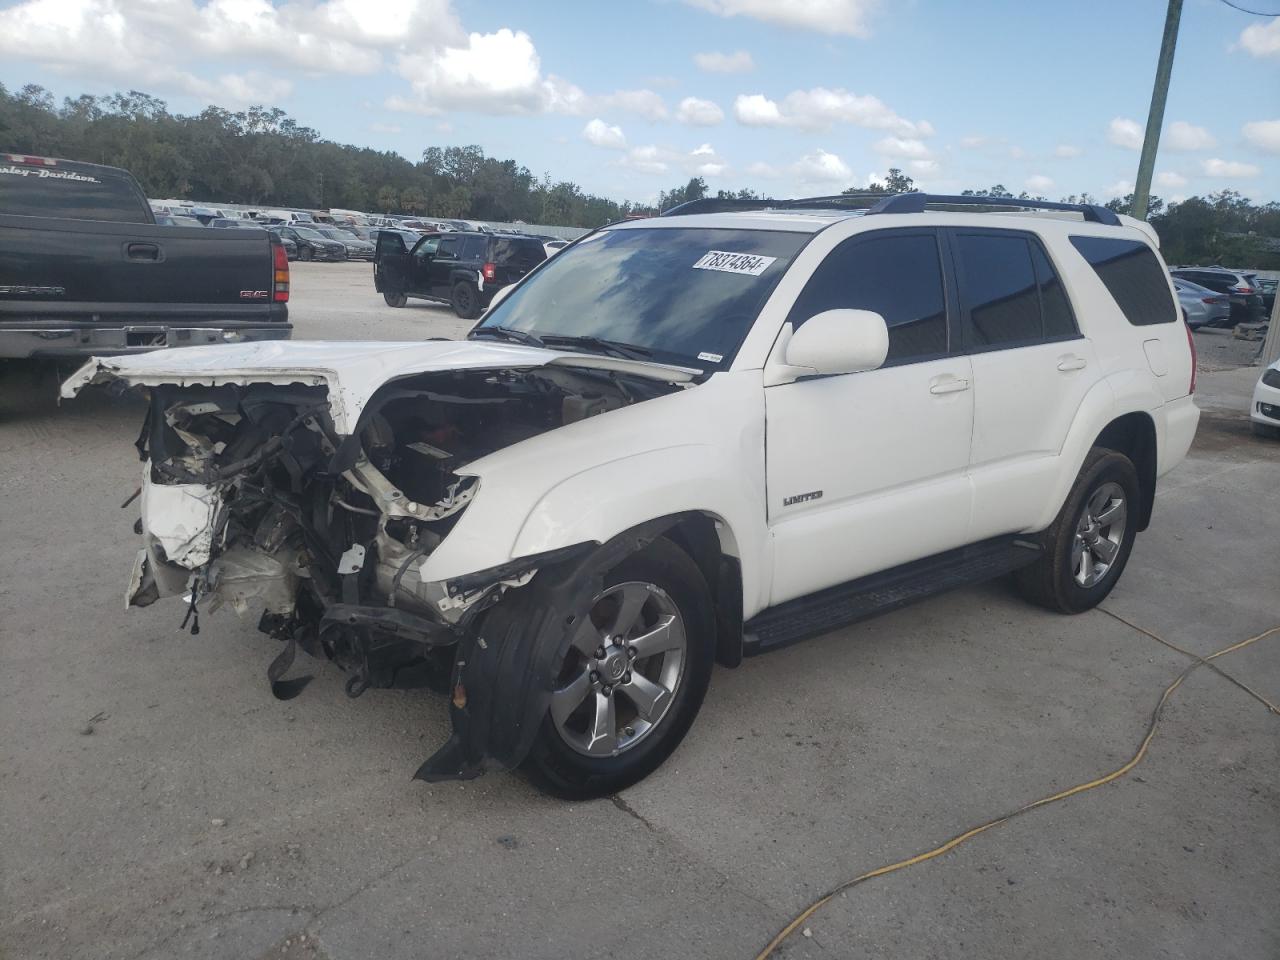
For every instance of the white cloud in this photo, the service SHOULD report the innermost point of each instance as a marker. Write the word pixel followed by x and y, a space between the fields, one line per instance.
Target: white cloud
pixel 1126 133
pixel 1262 40
pixel 846 17
pixel 1067 151
pixel 907 148
pixel 644 103
pixel 1039 183
pixel 762 169
pixel 494 73
pixel 972 142
pixel 1169 180
pixel 386 128
pixel 819 108
pixel 1229 169
pixel 152 44
pixel 703 161
pixel 715 62
pixel 699 113
pixel 1120 188
pixel 600 134
pixel 821 167
pixel 923 166
pixel 1183 136
pixel 1263 134
pixel 1017 153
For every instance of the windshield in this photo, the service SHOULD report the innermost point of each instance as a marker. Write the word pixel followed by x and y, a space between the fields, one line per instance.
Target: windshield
pixel 688 295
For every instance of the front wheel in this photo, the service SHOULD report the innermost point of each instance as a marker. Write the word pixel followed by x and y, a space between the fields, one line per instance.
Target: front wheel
pixel 1264 430
pixel 632 680
pixel 1088 544
pixel 306 253
pixel 465 300
pixel 395 299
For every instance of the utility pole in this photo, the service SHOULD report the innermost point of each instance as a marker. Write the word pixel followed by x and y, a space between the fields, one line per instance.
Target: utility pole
pixel 1155 119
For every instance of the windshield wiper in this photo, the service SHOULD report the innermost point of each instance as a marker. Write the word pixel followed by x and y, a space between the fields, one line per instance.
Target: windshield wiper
pixel 613 348
pixel 507 333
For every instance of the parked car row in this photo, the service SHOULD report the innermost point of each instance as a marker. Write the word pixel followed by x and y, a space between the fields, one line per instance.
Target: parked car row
pixel 1242 290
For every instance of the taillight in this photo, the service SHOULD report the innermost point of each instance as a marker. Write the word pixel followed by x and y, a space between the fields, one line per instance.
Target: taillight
pixel 1191 342
pixel 490 271
pixel 1242 289
pixel 1210 299
pixel 280 266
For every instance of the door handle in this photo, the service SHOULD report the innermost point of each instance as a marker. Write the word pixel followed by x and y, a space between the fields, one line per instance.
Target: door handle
pixel 1070 362
pixel 948 384
pixel 142 251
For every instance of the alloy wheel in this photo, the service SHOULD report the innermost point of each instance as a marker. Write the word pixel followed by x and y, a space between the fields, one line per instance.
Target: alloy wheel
pixel 1099 534
pixel 624 666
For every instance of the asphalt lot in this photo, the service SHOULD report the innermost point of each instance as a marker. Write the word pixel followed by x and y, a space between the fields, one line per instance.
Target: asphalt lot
pixel 156 802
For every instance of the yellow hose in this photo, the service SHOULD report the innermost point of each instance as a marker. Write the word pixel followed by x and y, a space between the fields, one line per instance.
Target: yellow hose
pixel 1116 774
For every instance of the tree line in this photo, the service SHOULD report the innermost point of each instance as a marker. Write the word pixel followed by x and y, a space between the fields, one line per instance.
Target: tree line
pixel 263 156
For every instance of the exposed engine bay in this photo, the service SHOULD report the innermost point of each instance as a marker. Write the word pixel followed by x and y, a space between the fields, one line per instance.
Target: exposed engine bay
pixel 252 499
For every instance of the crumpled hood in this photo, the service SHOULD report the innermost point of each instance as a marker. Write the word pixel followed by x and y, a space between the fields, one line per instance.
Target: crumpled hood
pixel 351 370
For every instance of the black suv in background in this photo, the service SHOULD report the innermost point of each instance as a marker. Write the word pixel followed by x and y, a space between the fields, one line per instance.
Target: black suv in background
pixel 1241 289
pixel 461 269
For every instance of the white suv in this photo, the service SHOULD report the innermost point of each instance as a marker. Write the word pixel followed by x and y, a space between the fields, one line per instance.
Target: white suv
pixel 678 441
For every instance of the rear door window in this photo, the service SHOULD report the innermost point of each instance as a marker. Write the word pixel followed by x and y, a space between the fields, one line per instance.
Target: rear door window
pixel 1132 275
pixel 897 274
pixel 999 296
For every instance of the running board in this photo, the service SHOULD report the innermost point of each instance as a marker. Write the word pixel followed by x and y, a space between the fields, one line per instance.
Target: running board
pixel 877 593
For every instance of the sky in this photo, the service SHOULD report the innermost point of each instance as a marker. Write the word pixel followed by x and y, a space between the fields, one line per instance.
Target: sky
pixel 788 97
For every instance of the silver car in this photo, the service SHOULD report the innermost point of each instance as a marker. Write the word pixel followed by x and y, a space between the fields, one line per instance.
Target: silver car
pixel 1202 306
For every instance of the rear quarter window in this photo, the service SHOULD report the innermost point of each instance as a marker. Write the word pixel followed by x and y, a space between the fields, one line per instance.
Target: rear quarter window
pixel 1132 274
pixel 527 252
pixel 85 194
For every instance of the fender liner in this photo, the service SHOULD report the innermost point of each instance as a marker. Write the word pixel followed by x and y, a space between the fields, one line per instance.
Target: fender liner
pixel 505 662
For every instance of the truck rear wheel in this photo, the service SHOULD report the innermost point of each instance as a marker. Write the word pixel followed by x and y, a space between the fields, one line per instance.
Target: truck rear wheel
pixel 1088 544
pixel 632 680
pixel 465 300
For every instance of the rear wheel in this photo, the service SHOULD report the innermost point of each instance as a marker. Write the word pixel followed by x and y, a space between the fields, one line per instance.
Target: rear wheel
pixel 1088 544
pixel 465 300
pixel 632 680
pixel 395 299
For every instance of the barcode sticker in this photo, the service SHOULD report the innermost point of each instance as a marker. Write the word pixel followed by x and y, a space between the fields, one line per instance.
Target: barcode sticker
pixel 744 263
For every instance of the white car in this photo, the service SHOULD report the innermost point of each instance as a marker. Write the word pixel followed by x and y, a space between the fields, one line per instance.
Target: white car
pixel 1264 411
pixel 682 440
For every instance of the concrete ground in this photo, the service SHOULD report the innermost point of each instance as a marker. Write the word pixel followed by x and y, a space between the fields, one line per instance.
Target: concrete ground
pixel 156 802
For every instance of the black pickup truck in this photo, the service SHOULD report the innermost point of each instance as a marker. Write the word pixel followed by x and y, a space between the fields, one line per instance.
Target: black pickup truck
pixel 85 269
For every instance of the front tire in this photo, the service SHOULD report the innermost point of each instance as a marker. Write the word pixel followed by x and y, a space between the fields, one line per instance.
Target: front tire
pixel 1264 430
pixel 465 300
pixel 306 253
pixel 395 299
pixel 632 680
pixel 1086 547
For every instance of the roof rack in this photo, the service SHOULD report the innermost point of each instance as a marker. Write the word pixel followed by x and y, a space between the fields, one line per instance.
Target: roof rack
pixel 877 203
pixel 916 203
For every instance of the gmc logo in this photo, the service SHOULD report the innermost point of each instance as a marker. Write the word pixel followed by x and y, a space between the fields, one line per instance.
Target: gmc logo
pixel 253 294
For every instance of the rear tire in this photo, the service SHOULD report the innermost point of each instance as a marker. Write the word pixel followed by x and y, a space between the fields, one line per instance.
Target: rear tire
pixel 395 299
pixel 677 593
pixel 465 300
pixel 1089 542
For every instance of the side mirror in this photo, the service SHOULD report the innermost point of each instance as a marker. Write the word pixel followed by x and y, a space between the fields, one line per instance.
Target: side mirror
pixel 839 341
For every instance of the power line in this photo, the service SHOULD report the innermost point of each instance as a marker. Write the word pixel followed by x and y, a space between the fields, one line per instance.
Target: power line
pixel 1256 13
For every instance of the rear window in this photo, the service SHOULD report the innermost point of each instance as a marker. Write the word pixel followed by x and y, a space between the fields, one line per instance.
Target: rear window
pixel 1132 275
pixel 86 194
pixel 523 252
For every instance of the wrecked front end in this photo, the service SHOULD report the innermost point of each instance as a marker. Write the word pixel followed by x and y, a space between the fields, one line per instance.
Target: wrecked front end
pixel 251 498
